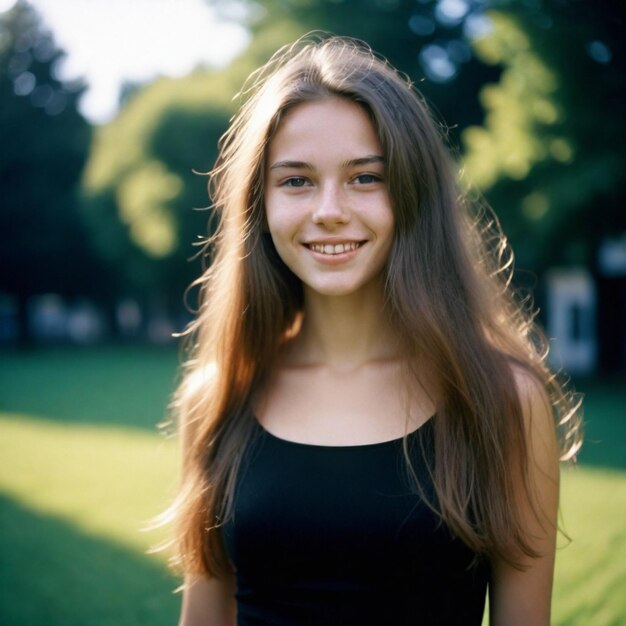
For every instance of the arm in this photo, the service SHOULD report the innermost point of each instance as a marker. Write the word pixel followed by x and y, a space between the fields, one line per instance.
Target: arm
pixel 208 602
pixel 522 598
pixel 205 602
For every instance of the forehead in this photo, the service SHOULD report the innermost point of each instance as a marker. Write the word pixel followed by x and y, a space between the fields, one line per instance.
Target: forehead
pixel 332 125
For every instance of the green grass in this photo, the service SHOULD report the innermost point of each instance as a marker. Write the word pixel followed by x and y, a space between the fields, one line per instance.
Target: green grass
pixel 590 575
pixel 105 481
pixel 126 386
pixel 54 574
pixel 82 468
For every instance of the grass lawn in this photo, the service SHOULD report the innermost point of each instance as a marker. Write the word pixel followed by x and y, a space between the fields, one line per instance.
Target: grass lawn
pixel 82 468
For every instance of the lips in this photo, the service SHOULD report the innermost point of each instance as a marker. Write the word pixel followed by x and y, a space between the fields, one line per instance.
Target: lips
pixel 334 248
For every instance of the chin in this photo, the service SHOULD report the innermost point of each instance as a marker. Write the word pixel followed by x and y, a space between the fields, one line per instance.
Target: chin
pixel 337 288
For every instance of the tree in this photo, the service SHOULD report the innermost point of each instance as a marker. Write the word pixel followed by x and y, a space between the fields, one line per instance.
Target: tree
pixel 139 190
pixel 427 40
pixel 534 87
pixel 44 147
pixel 549 155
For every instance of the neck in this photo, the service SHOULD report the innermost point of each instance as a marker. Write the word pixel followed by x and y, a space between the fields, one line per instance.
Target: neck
pixel 345 332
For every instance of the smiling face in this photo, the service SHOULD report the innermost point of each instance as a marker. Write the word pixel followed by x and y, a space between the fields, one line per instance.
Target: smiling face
pixel 326 199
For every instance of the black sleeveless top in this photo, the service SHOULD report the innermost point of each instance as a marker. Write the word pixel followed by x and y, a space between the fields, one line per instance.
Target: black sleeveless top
pixel 337 536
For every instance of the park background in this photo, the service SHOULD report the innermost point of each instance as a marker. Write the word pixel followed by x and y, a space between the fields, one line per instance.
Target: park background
pixel 99 226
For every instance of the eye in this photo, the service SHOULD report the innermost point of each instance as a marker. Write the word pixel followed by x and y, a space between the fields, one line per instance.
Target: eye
pixel 295 181
pixel 367 179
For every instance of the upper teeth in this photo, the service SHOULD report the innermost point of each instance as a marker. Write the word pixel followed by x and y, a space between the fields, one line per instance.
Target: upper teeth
pixel 329 248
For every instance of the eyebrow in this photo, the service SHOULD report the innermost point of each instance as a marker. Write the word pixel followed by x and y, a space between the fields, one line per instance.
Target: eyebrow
pixel 295 165
pixel 303 165
pixel 368 160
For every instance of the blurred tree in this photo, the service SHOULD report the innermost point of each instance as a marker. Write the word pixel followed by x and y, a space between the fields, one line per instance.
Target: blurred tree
pixel 550 154
pixel 44 147
pixel 428 40
pixel 526 133
pixel 142 183
pixel 529 80
pixel 139 190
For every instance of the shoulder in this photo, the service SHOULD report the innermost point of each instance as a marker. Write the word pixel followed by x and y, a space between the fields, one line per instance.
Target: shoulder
pixel 537 415
pixel 520 594
pixel 208 602
pixel 529 386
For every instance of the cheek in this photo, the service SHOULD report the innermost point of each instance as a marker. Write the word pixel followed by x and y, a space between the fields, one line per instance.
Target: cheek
pixel 281 234
pixel 385 222
pixel 270 211
pixel 276 226
pixel 280 219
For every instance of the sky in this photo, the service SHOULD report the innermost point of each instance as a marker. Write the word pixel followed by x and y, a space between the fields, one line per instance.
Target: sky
pixel 109 42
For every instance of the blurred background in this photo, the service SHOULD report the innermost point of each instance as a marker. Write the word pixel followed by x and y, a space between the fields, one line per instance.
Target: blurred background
pixel 110 112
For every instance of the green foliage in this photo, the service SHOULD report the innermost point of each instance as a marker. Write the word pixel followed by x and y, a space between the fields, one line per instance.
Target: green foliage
pixel 520 111
pixel 144 176
pixel 138 190
pixel 139 186
pixel 44 146
pixel 530 132
pixel 539 114
pixel 143 196
pixel 548 155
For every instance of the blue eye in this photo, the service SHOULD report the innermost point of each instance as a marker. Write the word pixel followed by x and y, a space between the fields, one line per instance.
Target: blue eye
pixel 367 179
pixel 295 181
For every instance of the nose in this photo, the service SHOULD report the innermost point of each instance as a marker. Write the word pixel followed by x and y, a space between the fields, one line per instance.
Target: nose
pixel 331 206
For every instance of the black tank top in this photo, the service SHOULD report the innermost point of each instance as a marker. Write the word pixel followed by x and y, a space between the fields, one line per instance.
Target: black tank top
pixel 337 536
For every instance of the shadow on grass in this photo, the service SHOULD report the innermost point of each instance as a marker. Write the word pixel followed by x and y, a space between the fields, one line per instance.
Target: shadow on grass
pixel 54 574
pixel 113 385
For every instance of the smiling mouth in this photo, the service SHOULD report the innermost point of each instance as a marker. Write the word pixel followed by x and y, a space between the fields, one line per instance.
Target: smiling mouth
pixel 337 248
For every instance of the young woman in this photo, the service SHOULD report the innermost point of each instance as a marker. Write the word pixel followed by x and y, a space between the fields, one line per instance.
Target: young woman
pixel 368 426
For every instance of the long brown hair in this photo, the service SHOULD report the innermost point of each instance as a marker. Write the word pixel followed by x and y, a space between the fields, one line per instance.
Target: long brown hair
pixel 447 292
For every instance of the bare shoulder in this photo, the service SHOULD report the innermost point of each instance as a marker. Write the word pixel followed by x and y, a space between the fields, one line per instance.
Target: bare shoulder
pixel 519 596
pixel 530 389
pixel 205 601
pixel 538 417
pixel 208 602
